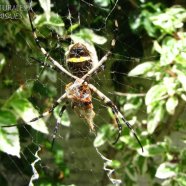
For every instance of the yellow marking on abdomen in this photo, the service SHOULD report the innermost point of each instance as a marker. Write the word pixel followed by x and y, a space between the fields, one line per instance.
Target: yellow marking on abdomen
pixel 78 59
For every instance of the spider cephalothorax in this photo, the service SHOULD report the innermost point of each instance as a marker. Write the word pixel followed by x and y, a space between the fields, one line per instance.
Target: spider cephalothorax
pixel 79 59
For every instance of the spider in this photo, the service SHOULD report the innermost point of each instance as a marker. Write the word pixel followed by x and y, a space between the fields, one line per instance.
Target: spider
pixel 79 92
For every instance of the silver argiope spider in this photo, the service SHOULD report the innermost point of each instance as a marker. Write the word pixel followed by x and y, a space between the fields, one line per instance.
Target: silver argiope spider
pixel 79 92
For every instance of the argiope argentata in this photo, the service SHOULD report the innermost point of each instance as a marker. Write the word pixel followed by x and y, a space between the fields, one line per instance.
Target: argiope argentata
pixel 79 92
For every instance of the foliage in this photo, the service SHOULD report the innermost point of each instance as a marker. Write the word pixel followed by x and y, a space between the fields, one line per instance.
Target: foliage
pixel 159 114
pixel 164 100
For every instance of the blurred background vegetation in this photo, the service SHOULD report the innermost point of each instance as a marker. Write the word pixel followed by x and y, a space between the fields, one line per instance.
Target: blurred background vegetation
pixel 145 77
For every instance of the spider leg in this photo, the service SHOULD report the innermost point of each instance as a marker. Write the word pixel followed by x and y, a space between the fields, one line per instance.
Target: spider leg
pixel 51 109
pixel 45 53
pixel 116 112
pixel 104 58
pixel 57 124
pixel 100 63
pixel 45 64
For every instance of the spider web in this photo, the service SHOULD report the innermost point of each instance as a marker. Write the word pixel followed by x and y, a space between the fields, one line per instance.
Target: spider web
pixel 88 165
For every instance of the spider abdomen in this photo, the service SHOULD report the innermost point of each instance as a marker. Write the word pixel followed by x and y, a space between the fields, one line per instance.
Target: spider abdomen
pixel 79 60
pixel 79 69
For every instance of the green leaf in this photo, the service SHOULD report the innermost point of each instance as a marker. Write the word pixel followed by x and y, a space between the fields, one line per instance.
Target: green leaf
pixel 7 118
pixel 155 117
pixel 73 27
pixel 130 107
pixel 115 164
pixel 141 69
pixel 157 47
pixel 153 149
pixel 131 174
pixel 90 36
pixel 46 5
pixel 149 27
pixel 106 133
pixel 166 170
pixel 155 94
pixel 131 141
pixel 170 84
pixel 183 96
pixel 2 61
pixel 181 179
pixel 143 21
pixel 170 20
pixel 102 3
pixel 171 104
pixel 22 92
pixel 169 51
pixel 27 112
pixel 9 136
pixel 9 141
pixel 64 120
pixel 55 20
pixel 59 156
pixel 99 140
pixel 182 79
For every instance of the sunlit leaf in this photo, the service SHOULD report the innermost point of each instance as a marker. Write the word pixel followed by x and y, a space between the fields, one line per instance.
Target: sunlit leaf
pixel 9 141
pixel 171 85
pixel 27 112
pixel 155 93
pixel 46 5
pixel 182 79
pixel 115 164
pixel 166 170
pixel 157 47
pixel 181 180
pixel 99 140
pixel 89 35
pixel 171 104
pixel 183 96
pixel 170 20
pixel 169 51
pixel 2 61
pixel 107 132
pixel 73 27
pixel 153 149
pixel 55 20
pixel 9 136
pixel 102 3
pixel 155 117
pixel 64 120
pixel 141 69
